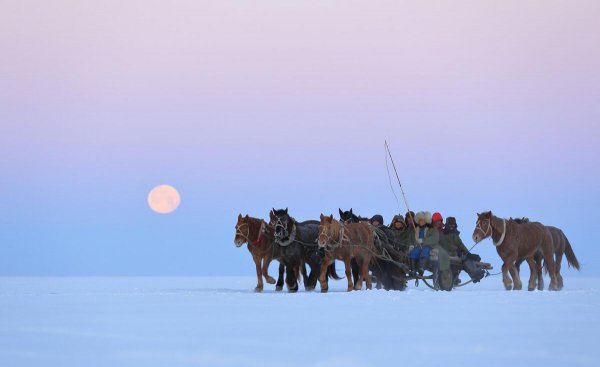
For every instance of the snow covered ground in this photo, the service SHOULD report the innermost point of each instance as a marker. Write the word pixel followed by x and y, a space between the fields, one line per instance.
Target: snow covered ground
pixel 220 321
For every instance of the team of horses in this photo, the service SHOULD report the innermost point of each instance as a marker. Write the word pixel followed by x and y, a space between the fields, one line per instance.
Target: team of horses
pixel 358 245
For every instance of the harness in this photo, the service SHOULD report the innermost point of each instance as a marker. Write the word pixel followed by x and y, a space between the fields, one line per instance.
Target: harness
pixel 342 237
pixel 490 229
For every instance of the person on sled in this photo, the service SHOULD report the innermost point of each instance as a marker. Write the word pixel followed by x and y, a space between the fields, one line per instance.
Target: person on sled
pixel 451 242
pixel 426 237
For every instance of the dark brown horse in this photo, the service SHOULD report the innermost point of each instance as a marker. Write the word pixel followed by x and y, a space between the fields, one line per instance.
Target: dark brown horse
pixel 515 241
pixel 344 242
pixel 259 237
pixel 562 247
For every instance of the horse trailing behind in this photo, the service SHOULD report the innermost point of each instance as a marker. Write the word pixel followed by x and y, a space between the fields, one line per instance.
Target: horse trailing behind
pixel 260 239
pixel 516 241
pixel 562 247
pixel 345 242
pixel 297 242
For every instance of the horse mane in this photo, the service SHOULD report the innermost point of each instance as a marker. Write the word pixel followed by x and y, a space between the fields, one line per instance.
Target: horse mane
pixel 519 220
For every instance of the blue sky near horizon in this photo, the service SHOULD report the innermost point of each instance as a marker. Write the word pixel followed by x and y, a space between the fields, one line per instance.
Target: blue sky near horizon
pixel 244 106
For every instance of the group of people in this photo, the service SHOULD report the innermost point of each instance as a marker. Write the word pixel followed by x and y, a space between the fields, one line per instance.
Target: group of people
pixel 424 233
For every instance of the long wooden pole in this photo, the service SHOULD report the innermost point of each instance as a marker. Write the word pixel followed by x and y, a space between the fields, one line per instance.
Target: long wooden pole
pixel 387 148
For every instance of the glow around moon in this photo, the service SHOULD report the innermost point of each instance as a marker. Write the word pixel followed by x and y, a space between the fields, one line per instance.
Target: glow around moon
pixel 164 199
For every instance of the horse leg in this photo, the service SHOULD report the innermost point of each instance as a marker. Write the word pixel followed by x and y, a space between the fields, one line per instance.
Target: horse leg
pixel 323 275
pixel 348 268
pixel 548 252
pixel 534 274
pixel 369 283
pixel 505 278
pixel 311 282
pixel 291 279
pixel 355 269
pixel 259 285
pixel 516 278
pixel 279 285
pixel 559 277
pixel 265 269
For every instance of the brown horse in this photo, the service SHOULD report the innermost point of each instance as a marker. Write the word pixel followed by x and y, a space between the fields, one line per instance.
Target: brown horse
pixel 259 237
pixel 344 242
pixel 515 241
pixel 562 247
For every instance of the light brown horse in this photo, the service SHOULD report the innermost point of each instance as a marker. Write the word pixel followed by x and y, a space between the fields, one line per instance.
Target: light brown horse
pixel 259 237
pixel 344 242
pixel 562 247
pixel 515 241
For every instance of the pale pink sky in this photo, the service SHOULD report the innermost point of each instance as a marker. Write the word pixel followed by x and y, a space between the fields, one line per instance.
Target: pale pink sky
pixel 103 100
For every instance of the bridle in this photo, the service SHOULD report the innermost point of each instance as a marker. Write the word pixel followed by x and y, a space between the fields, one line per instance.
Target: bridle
pixel 490 229
pixel 284 226
pixel 246 237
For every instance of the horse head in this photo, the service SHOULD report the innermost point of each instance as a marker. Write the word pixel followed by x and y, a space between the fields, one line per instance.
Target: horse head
pixel 348 216
pixel 483 226
pixel 242 230
pixel 328 230
pixel 281 222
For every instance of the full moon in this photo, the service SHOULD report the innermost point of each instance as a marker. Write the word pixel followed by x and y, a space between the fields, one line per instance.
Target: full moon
pixel 163 199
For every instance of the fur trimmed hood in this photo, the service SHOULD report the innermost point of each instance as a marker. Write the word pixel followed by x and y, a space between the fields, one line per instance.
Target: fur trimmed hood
pixel 424 215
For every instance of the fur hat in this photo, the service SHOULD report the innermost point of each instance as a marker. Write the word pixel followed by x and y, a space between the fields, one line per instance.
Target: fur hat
pixel 451 221
pixel 409 214
pixel 423 215
pixel 397 218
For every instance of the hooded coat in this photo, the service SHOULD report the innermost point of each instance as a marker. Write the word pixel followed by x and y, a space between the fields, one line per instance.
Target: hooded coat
pixel 452 243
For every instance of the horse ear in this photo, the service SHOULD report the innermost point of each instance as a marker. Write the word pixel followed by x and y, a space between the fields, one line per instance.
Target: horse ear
pixel 331 217
pixel 351 211
pixel 321 216
pixel 341 213
pixel 239 216
pixel 286 210
pixel 247 216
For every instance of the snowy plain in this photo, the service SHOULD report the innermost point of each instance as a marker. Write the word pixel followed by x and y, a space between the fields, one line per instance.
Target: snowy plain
pixel 220 321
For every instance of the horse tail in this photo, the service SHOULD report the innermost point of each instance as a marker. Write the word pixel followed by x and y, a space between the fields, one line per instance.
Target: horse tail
pixel 571 259
pixel 331 272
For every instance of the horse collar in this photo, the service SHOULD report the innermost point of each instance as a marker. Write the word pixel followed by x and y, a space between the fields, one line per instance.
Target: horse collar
pixel 291 239
pixel 503 234
pixel 260 234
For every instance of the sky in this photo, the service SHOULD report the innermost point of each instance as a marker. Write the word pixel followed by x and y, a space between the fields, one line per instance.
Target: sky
pixel 244 106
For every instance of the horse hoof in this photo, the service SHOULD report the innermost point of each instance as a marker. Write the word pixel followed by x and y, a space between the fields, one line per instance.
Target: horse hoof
pixel 508 287
pixel 271 280
pixel 279 288
pixel 531 289
pixel 324 290
pixel 309 289
pixel 350 289
pixel 258 289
